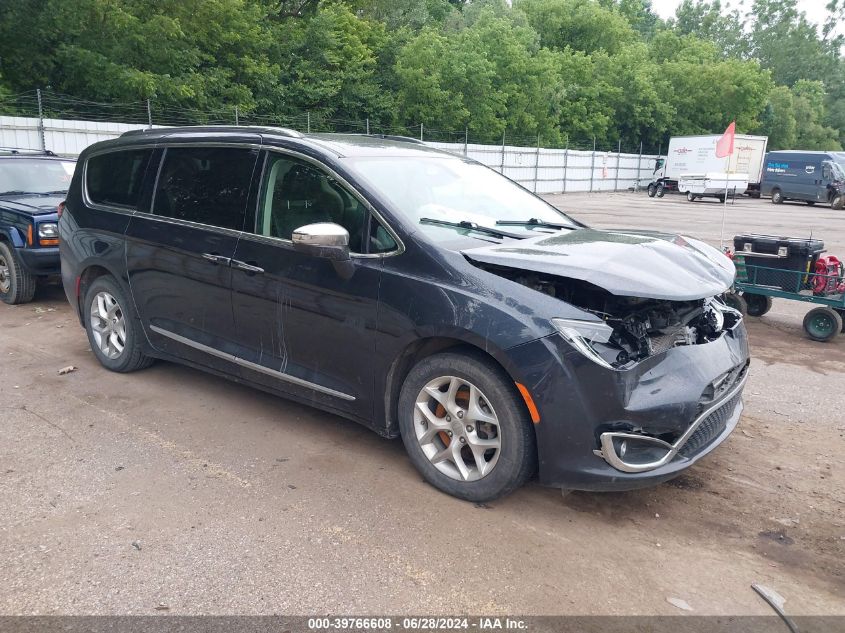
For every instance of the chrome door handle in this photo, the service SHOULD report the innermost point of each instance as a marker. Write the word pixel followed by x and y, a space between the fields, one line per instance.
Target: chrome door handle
pixel 249 268
pixel 216 259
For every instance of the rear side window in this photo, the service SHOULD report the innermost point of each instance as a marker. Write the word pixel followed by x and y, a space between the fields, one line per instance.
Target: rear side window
pixel 208 185
pixel 116 178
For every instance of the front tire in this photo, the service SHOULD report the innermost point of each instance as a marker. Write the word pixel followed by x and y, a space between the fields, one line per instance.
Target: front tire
pixel 660 190
pixel 651 190
pixel 465 427
pixel 17 285
pixel 114 331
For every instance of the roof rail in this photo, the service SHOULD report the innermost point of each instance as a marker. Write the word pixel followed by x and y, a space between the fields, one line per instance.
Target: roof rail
pixel 395 137
pixel 27 150
pixel 282 131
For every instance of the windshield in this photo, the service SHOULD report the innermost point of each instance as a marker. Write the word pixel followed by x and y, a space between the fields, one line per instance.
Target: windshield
pixel 35 175
pixel 451 190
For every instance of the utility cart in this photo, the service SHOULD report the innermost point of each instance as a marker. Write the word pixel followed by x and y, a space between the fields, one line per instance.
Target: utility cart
pixel 789 268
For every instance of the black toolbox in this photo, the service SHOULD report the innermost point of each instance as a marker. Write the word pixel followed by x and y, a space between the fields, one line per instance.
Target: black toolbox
pixel 766 256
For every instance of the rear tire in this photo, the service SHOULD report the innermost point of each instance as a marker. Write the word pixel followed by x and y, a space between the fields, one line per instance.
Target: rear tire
pixel 822 324
pixel 497 448
pixel 777 196
pixel 114 330
pixel 810 203
pixel 757 305
pixel 17 285
pixel 690 196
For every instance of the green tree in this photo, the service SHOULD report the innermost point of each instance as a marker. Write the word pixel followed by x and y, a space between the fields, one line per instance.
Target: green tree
pixel 778 119
pixel 811 133
pixel 583 25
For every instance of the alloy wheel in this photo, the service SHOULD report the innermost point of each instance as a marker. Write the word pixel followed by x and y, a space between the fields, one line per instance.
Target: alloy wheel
pixel 5 275
pixel 108 325
pixel 457 428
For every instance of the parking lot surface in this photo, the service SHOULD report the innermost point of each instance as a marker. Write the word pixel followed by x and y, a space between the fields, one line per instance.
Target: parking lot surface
pixel 172 491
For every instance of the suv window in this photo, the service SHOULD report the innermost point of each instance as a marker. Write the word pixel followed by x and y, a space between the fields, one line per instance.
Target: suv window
pixel 208 185
pixel 116 178
pixel 296 193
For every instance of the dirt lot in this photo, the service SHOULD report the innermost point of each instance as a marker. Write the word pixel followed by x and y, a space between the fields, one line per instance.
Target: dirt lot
pixel 171 491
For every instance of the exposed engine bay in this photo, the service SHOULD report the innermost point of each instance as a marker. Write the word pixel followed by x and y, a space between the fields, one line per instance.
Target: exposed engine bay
pixel 641 327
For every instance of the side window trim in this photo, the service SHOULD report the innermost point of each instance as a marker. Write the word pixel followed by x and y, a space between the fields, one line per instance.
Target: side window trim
pixel 372 213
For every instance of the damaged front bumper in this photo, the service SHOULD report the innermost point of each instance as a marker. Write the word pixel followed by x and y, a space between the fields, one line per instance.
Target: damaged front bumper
pixel 601 429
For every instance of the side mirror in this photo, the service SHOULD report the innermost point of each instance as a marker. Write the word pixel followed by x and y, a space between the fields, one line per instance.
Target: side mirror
pixel 324 239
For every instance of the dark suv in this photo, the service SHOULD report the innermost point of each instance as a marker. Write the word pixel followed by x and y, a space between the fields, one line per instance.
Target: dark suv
pixel 416 292
pixel 32 185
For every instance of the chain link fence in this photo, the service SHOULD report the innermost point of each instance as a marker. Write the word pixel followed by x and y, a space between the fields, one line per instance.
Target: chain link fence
pixel 41 119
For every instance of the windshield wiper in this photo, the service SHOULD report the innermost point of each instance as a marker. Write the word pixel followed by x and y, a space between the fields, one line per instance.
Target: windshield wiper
pixel 536 222
pixel 472 226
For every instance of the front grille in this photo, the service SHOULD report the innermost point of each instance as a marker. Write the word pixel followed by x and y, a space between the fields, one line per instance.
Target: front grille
pixel 711 427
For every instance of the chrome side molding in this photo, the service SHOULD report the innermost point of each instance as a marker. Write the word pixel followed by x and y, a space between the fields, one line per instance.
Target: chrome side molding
pixel 249 365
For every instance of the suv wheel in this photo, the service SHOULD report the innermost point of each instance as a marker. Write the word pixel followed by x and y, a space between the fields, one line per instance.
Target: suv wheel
pixel 466 428
pixel 113 329
pixel 16 284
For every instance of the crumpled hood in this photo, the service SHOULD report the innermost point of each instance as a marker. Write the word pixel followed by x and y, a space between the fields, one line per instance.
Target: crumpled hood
pixel 625 263
pixel 31 205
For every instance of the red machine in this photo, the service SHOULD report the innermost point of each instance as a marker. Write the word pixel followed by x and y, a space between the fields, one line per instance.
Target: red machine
pixel 830 276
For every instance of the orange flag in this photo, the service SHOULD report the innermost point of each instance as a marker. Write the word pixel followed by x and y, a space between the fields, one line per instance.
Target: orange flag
pixel 725 145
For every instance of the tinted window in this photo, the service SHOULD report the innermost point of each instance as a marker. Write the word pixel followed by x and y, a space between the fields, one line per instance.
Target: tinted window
pixel 117 177
pixel 296 193
pixel 209 185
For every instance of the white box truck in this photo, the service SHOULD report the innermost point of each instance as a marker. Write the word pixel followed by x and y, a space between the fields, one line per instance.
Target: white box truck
pixel 695 156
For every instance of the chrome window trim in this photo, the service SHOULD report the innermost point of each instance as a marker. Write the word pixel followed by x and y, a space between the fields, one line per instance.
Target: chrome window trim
pixel 99 206
pixel 249 365
pixel 188 223
pixel 400 246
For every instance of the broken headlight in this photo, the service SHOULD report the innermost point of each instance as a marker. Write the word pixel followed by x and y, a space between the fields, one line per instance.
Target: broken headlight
pixel 586 336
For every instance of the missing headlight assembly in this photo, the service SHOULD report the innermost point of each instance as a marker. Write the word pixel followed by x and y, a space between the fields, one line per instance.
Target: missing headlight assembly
pixel 629 329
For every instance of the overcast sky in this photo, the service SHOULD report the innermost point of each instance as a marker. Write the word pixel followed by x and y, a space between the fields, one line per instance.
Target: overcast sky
pixel 813 8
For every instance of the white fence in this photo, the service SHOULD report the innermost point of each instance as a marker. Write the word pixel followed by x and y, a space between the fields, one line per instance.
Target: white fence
pixel 540 170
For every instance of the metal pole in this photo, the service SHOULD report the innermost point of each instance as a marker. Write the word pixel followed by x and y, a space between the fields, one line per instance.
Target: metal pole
pixel 618 159
pixel 308 122
pixel 421 131
pixel 565 161
pixel 592 164
pixel 639 166
pixel 466 141
pixel 502 168
pixel 237 121
pixel 41 122
pixel 149 115
pixel 368 126
pixel 537 164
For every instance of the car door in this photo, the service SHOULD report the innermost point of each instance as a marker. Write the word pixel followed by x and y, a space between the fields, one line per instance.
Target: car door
pixel 178 254
pixel 304 325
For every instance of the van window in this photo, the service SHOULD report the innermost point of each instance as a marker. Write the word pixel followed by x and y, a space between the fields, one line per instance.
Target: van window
pixel 116 178
pixel 296 193
pixel 208 185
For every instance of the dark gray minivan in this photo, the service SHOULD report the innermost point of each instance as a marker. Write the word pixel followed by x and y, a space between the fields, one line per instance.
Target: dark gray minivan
pixel 810 177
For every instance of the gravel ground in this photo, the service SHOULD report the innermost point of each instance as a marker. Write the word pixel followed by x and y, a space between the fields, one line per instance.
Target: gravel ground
pixel 172 491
